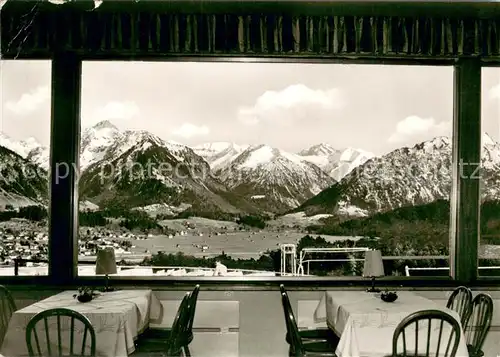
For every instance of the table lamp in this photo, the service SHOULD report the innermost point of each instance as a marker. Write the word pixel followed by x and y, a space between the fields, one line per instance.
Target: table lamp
pixel 106 264
pixel 373 268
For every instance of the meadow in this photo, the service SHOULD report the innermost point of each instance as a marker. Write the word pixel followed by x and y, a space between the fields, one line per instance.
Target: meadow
pixel 243 245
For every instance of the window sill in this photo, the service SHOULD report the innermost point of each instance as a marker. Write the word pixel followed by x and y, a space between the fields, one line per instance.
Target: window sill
pixel 250 283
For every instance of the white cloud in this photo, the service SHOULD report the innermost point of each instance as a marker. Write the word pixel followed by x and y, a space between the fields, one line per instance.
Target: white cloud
pixel 188 130
pixel 118 111
pixel 29 102
pixel 494 92
pixel 413 127
pixel 295 101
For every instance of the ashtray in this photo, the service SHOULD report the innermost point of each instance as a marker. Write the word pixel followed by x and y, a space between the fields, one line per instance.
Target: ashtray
pixel 389 296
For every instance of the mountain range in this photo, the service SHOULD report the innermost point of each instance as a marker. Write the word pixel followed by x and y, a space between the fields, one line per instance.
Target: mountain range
pixel 137 168
pixel 404 177
pixel 22 183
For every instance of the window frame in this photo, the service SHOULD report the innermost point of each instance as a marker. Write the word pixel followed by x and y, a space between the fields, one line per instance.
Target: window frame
pixel 260 281
pixel 60 258
pixel 485 279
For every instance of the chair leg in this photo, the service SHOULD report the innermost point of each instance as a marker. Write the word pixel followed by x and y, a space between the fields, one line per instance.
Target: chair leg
pixel 187 352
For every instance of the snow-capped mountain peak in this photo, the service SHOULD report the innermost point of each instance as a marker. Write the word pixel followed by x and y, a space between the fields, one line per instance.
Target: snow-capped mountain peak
pixel 321 149
pixel 259 155
pixel 444 142
pixel 95 141
pixel 132 137
pixel 337 163
pixel 219 146
pixel 22 148
pixel 219 154
pixel 31 142
pixel 490 155
pixel 105 124
pixel 437 143
pixel 20 184
pixel 256 156
pixel 352 154
pixel 283 179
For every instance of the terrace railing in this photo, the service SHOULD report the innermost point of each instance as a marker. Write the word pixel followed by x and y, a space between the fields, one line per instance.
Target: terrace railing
pixel 19 262
pixel 206 271
pixel 305 264
pixel 408 270
pixel 305 251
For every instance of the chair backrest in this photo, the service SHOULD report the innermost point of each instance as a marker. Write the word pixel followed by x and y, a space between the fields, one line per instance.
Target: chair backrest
pixel 282 288
pixel 179 328
pixel 296 345
pixel 7 308
pixel 87 332
pixel 283 291
pixel 478 321
pixel 460 301
pixel 193 299
pixel 450 344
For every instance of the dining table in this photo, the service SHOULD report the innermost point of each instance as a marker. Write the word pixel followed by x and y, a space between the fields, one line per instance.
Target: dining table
pixel 365 323
pixel 117 317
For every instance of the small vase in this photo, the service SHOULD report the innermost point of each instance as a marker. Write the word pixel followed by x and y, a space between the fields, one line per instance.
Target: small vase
pixel 84 298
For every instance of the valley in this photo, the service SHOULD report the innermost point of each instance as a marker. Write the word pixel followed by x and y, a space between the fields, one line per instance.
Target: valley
pixel 199 242
pixel 197 237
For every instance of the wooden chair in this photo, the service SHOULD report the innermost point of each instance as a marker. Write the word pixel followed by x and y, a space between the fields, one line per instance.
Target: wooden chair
pixel 460 301
pixel 317 335
pixel 192 310
pixel 427 315
pixel 163 334
pixel 88 332
pixel 478 324
pixel 299 348
pixel 7 308
pixel 174 345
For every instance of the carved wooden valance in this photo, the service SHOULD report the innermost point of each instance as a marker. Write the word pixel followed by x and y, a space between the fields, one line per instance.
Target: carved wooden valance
pixel 38 29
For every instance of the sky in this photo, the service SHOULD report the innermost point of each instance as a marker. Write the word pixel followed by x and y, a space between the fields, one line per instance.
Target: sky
pixel 289 106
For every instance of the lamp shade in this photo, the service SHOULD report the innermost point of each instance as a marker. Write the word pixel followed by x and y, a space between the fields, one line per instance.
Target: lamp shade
pixel 374 266
pixel 105 262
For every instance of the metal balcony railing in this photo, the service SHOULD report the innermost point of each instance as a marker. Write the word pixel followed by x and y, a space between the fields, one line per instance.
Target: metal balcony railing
pixel 408 270
pixel 19 262
pixel 206 271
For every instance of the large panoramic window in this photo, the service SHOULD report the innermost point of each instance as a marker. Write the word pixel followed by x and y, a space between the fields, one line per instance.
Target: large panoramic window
pixel 239 169
pixel 24 164
pixel 489 252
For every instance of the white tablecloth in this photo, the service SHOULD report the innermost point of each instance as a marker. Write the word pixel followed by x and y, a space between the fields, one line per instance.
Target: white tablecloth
pixel 366 324
pixel 118 317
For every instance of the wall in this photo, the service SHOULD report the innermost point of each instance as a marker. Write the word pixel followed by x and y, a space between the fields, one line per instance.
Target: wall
pixel 251 323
